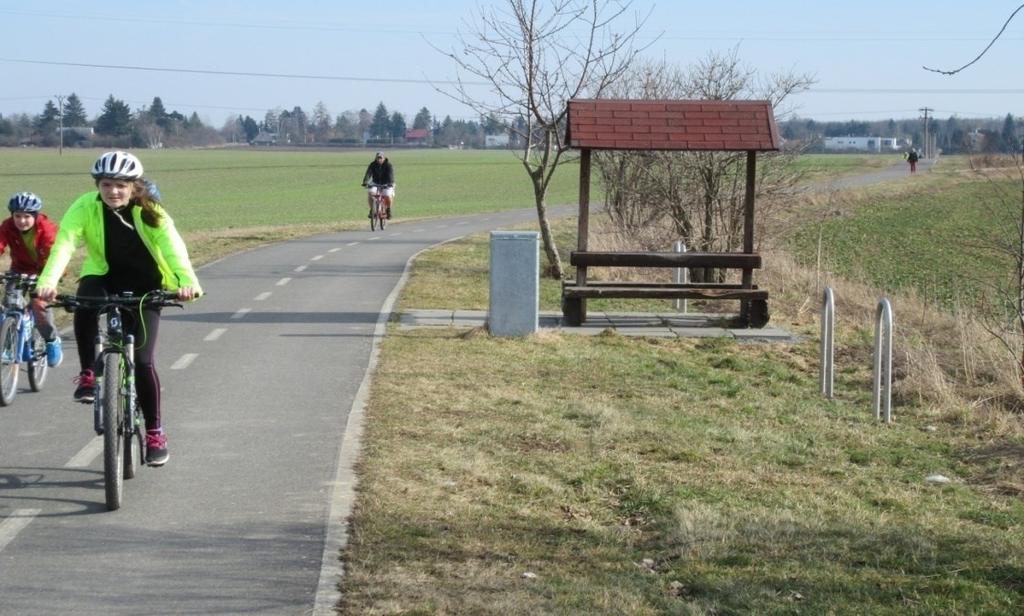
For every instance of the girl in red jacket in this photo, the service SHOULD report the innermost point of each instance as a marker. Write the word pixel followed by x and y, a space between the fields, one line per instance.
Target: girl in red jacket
pixel 30 234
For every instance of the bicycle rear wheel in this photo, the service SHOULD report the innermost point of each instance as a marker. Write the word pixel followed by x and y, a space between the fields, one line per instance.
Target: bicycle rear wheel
pixel 37 366
pixel 9 360
pixel 113 430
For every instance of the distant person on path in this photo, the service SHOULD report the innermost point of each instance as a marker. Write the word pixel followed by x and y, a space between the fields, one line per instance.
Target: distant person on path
pixel 30 235
pixel 380 176
pixel 912 158
pixel 131 245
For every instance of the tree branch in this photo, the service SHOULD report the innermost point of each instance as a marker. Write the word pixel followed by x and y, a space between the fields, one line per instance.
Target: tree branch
pixel 983 51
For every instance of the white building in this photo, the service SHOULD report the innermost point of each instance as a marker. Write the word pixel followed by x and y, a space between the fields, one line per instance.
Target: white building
pixel 496 141
pixel 866 144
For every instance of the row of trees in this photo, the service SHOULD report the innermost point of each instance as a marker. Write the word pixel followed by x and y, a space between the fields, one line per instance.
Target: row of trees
pixel 953 135
pixel 359 127
pixel 115 125
pixel 154 126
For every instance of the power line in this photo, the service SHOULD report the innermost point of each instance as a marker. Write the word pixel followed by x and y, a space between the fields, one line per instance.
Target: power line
pixel 915 91
pixel 248 74
pixel 220 24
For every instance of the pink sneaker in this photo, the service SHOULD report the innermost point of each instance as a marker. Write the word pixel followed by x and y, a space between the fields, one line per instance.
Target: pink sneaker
pixel 156 448
pixel 86 390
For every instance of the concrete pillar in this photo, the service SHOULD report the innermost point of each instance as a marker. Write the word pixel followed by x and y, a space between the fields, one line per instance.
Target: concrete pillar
pixel 515 283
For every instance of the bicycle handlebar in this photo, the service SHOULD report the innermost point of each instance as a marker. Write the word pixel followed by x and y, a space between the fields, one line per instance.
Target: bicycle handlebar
pixel 152 299
pixel 28 280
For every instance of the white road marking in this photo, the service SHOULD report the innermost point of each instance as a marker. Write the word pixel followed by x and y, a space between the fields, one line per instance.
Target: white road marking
pixel 317 258
pixel 217 333
pixel 441 227
pixel 464 222
pixel 241 313
pixel 88 453
pixel 283 282
pixel 334 249
pixel 394 234
pixel 419 230
pixel 262 296
pixel 352 244
pixel 301 268
pixel 373 238
pixel 184 361
pixel 18 520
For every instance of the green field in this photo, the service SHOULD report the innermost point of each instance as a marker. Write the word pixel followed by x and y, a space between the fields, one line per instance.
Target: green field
pixel 234 188
pixel 938 240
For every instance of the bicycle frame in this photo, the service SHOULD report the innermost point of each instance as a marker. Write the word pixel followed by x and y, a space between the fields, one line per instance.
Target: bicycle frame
pixel 378 210
pixel 112 339
pixel 19 322
pixel 116 400
pixel 16 307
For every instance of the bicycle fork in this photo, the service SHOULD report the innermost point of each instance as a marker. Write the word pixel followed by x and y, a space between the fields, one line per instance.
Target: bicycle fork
pixel 127 385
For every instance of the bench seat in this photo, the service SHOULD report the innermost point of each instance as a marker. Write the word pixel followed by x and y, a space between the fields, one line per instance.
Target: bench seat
pixel 662 291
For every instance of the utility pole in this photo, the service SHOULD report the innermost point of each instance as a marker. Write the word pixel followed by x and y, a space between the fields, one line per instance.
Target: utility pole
pixel 60 120
pixel 926 111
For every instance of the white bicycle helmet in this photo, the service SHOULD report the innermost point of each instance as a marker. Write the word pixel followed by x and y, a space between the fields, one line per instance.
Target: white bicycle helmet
pixel 117 165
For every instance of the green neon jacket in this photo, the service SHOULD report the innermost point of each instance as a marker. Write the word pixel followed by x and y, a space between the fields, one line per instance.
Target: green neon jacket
pixel 83 222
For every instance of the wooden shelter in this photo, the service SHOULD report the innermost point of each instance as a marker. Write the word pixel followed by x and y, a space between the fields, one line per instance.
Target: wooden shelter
pixel 682 125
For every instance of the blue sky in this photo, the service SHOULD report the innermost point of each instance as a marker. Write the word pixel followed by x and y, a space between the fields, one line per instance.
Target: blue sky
pixel 867 56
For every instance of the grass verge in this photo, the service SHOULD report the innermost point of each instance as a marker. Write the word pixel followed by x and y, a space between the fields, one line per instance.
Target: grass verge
pixel 558 474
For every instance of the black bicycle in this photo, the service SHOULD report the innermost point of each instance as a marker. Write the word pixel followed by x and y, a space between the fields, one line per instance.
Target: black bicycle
pixel 116 414
pixel 20 341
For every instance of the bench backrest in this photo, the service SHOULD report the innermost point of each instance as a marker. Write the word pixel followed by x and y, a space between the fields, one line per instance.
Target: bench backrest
pixel 734 260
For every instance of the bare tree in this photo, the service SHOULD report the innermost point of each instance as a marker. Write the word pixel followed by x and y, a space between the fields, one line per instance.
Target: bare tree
pixel 701 193
pixel 536 55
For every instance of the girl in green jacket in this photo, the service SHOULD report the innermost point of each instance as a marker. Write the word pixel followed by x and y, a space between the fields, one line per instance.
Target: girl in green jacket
pixel 131 245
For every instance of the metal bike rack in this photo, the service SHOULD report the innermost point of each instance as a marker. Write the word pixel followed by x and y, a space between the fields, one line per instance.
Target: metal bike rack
pixel 682 277
pixel 828 331
pixel 883 361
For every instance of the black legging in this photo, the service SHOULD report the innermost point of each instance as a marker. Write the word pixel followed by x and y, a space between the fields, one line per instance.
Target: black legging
pixel 147 381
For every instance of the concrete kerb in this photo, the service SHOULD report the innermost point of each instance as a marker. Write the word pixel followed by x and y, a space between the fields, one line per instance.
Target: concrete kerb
pixel 656 325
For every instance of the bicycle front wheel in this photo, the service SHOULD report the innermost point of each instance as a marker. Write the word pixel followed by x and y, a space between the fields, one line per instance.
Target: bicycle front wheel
pixel 37 366
pixel 374 216
pixel 9 360
pixel 113 429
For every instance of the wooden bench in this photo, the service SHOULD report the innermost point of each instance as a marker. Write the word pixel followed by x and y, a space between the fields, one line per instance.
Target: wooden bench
pixel 574 293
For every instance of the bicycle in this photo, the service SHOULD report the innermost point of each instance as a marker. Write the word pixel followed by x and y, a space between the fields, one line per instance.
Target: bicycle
pixel 20 341
pixel 116 414
pixel 378 209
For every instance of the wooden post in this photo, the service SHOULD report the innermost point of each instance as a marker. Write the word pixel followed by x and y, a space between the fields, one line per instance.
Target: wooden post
pixel 748 228
pixel 574 309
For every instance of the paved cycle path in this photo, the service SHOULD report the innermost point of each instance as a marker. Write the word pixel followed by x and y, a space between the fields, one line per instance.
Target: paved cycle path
pixel 259 379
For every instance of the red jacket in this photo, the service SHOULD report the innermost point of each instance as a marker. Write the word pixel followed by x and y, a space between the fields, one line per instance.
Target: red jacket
pixel 21 260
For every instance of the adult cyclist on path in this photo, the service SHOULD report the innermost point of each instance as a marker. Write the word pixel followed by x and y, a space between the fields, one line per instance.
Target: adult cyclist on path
pixel 380 176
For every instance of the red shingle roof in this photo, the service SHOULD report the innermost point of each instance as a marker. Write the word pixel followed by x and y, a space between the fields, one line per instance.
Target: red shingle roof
pixel 606 124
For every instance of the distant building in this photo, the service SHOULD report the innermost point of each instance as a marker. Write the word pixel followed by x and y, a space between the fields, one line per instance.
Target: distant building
pixel 866 144
pixel 265 139
pixel 417 136
pixel 80 132
pixel 496 141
